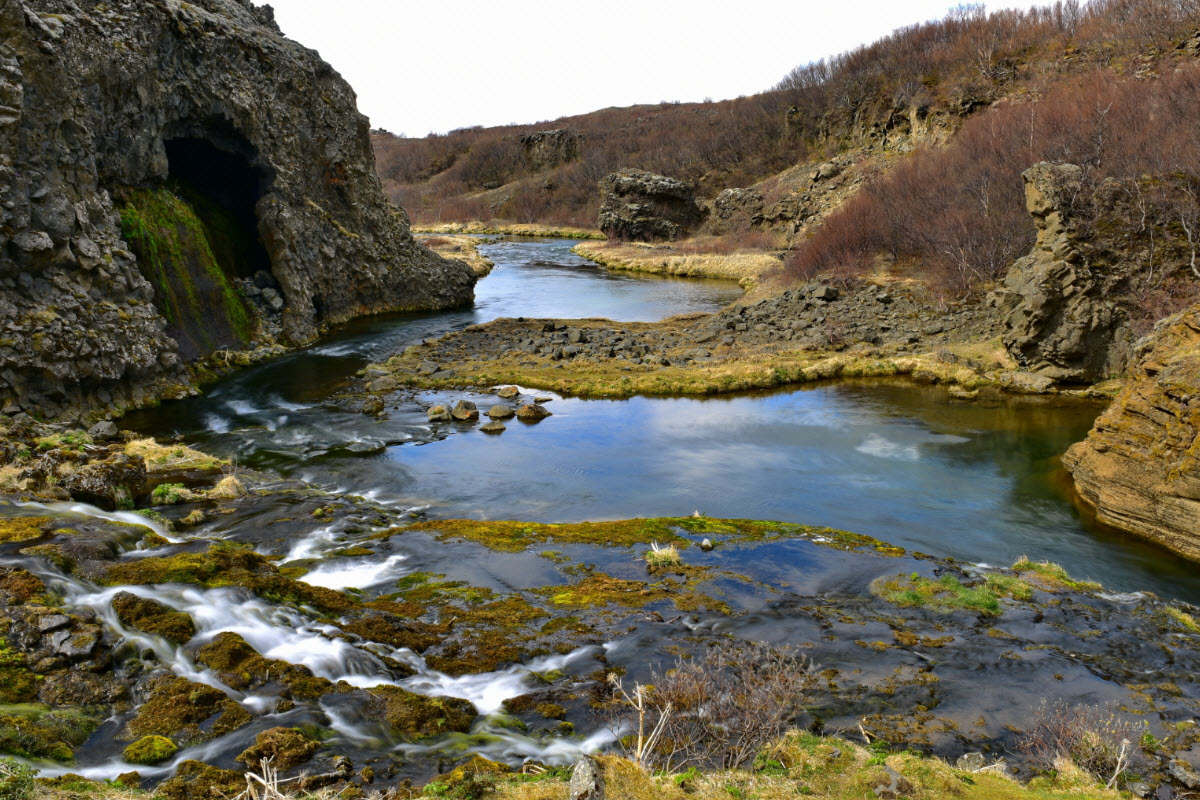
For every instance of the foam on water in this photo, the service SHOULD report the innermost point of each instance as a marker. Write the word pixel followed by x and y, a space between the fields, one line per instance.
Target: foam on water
pixel 357 574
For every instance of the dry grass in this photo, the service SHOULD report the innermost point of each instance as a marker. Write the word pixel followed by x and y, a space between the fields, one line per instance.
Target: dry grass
pixel 11 481
pixel 160 457
pixel 746 267
pixel 461 247
pixel 499 228
pixel 823 769
pixel 228 488
pixel 662 555
pixel 745 370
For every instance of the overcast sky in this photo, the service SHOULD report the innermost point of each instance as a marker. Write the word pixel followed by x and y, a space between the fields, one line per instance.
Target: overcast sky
pixel 420 66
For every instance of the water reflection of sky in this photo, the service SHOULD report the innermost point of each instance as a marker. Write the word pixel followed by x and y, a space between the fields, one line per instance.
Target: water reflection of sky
pixel 905 464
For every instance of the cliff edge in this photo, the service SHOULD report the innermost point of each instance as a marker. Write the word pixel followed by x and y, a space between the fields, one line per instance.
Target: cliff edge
pixel 177 179
pixel 1140 465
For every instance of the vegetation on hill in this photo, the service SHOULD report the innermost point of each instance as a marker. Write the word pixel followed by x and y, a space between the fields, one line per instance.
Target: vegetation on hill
pixel 969 102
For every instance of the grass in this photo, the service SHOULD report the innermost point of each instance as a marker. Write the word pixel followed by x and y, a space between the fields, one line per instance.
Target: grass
pixel 461 247
pixel 746 267
pixel 662 556
pixel 499 228
pixel 1051 576
pixel 160 457
pixel 949 594
pixel 747 370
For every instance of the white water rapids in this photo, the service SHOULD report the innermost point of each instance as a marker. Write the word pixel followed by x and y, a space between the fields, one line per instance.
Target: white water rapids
pixel 279 632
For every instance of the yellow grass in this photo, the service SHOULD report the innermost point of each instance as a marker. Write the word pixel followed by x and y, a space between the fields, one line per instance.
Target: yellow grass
pixel 497 227
pixel 461 247
pixel 160 457
pixel 746 267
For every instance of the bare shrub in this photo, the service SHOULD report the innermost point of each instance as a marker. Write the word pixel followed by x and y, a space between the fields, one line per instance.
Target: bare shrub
pixel 716 710
pixel 1095 738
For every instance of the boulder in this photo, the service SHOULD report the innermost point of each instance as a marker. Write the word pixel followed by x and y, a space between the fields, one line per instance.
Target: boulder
pixel 508 392
pixel 493 427
pixel 501 411
pixel 1138 467
pixel 109 483
pixel 1063 317
pixel 548 149
pixel 151 616
pixel 465 411
pixel 438 413
pixel 208 94
pixel 643 206
pixel 532 412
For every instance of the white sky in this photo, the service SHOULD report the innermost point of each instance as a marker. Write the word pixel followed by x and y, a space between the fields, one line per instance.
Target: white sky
pixel 420 66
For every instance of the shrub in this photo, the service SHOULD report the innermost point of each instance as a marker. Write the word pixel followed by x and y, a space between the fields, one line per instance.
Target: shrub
pixel 16 780
pixel 1094 738
pixel 716 710
pixel 168 494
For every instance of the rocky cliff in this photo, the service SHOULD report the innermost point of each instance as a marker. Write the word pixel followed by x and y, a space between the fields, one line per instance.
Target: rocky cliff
pixel 644 206
pixel 110 113
pixel 1062 309
pixel 1140 465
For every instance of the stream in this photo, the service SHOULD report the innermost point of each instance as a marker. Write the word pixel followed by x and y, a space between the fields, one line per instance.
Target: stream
pixel 979 482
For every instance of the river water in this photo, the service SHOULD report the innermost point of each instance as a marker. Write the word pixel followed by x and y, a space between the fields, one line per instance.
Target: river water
pixel 976 481
pixel 980 482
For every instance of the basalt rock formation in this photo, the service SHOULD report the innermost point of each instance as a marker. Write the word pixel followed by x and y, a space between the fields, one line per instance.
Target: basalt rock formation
pixel 1140 465
pixel 644 206
pixel 1062 310
pixel 177 179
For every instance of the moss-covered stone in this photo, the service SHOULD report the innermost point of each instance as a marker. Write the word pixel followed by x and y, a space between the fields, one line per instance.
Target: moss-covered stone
pixel 242 667
pixel 227 564
pixel 195 780
pixel 151 616
pixel 19 585
pixel 23 529
pixel 510 536
pixel 36 731
pixel 150 750
pixel 414 716
pixel 18 684
pixel 285 747
pixel 186 712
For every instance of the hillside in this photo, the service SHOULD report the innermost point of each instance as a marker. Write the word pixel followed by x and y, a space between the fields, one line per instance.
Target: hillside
pixel 962 105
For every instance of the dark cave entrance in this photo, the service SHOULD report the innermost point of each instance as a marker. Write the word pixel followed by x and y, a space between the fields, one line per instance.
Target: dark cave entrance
pixel 223 189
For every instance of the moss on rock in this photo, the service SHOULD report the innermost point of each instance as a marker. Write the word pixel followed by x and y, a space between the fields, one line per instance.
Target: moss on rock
pixel 36 731
pixel 284 747
pixel 195 780
pixel 414 716
pixel 23 529
pixel 151 616
pixel 186 712
pixel 150 750
pixel 242 667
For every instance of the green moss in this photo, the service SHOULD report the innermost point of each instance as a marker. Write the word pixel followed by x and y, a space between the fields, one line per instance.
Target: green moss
pixel 18 684
pixel 150 750
pixel 35 731
pixel 511 536
pixel 285 747
pixel 1051 576
pixel 186 712
pixel 948 593
pixel 241 666
pixel 22 529
pixel 227 564
pixel 414 716
pixel 175 252
pixel 151 616
pixel 167 494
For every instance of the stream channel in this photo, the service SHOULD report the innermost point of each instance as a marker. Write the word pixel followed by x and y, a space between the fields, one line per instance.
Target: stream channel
pixel 978 482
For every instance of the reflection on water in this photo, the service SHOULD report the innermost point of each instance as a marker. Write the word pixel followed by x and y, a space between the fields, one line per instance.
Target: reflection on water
pixel 976 481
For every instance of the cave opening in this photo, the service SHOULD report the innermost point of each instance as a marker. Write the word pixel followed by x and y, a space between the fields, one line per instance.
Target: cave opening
pixel 223 188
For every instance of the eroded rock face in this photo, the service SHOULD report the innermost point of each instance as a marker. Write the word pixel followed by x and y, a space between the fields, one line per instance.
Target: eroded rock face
pixel 643 206
pixel 99 96
pixel 1062 315
pixel 1140 465
pixel 548 149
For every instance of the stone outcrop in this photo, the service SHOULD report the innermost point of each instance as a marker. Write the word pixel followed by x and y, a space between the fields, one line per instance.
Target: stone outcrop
pixel 1139 468
pixel 643 206
pixel 161 95
pixel 1063 314
pixel 549 149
